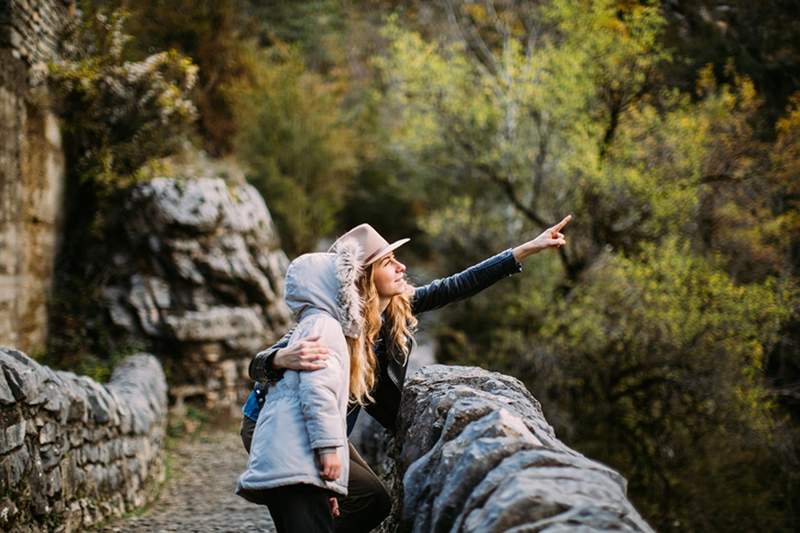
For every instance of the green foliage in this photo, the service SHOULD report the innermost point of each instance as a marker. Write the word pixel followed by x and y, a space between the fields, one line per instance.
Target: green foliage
pixel 216 36
pixel 297 145
pixel 663 356
pixel 662 340
pixel 649 347
pixel 119 119
pixel 119 115
pixel 758 38
pixel 654 365
pixel 528 121
pixel 317 27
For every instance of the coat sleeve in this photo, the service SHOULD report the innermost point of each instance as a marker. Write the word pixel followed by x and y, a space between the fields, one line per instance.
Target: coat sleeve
pixel 474 279
pixel 320 389
pixel 260 368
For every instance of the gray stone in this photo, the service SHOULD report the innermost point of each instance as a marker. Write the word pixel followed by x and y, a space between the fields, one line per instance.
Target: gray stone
pixel 476 454
pixel 209 270
pixel 8 510
pixel 489 438
pixel 73 453
pixel 6 394
pixel 23 376
pixel 12 437
pixel 53 483
pixel 48 433
pixel 57 402
pixel 218 323
pixel 194 204
pixel 545 495
pixel 13 467
pixel 51 455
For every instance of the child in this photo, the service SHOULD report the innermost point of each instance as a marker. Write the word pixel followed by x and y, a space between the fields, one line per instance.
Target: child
pixel 299 455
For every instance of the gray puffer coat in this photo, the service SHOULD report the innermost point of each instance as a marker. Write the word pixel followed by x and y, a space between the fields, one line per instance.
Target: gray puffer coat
pixel 306 411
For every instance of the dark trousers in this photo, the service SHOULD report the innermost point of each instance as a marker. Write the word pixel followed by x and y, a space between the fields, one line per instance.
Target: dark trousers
pixel 300 509
pixel 367 502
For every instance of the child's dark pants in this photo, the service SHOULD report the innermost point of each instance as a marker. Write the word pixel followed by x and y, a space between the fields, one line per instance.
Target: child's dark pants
pixel 366 505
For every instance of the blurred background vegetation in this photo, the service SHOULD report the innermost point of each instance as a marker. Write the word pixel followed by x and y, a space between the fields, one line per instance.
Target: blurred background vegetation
pixel 663 340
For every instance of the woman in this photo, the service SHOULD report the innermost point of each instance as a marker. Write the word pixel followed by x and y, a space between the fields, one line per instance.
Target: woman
pixel 308 409
pixel 397 305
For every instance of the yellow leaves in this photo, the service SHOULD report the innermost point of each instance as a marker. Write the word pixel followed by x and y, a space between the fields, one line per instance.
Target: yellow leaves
pixel 706 81
pixel 614 25
pixel 786 151
pixel 477 12
pixel 789 124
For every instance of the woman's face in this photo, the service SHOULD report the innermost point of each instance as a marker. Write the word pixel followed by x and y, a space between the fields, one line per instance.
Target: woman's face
pixel 389 276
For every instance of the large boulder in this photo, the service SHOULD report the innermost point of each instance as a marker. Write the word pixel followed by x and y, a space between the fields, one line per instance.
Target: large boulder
pixel 475 453
pixel 198 278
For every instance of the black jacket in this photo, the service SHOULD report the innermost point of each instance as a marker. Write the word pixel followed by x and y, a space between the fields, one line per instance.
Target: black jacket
pixel 392 371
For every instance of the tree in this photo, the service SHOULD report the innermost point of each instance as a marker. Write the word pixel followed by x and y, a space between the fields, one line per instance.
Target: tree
pixel 648 346
pixel 297 145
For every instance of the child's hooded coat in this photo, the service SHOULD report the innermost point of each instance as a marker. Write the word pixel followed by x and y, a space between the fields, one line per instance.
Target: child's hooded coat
pixel 307 410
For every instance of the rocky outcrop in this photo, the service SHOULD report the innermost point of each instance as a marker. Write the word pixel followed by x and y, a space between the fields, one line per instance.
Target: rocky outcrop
pixel 31 168
pixel 199 276
pixel 73 451
pixel 475 453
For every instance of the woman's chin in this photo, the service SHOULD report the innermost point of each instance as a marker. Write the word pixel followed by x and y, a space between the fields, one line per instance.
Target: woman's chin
pixel 402 287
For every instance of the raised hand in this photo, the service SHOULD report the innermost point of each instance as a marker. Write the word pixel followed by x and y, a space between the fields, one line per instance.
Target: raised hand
pixel 549 238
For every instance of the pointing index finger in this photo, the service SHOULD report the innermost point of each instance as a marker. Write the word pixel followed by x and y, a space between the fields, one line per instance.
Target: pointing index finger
pixel 563 222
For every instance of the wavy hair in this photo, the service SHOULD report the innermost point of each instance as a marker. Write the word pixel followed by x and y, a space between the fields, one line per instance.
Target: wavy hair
pixel 402 325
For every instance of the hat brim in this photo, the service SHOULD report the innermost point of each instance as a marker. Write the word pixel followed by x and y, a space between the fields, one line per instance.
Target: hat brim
pixel 384 251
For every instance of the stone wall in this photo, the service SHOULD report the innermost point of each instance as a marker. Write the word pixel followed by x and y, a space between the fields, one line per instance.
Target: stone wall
pixel 31 169
pixel 475 453
pixel 73 451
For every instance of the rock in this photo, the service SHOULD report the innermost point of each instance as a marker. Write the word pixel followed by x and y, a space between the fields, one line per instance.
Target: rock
pixel 199 262
pixel 476 454
pixel 23 376
pixel 12 436
pixel 7 511
pixel 6 394
pixel 13 467
pixel 214 324
pixel 48 433
pixel 63 442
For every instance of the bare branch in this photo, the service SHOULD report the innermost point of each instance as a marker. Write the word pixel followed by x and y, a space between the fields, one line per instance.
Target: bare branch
pixel 473 39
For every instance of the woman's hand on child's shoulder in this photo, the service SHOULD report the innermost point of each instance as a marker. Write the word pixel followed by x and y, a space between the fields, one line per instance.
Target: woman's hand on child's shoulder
pixel 305 354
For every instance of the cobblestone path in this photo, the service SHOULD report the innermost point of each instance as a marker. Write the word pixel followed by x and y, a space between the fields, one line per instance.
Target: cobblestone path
pixel 199 496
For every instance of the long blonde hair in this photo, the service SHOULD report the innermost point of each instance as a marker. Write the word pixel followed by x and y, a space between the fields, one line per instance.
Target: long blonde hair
pixel 402 324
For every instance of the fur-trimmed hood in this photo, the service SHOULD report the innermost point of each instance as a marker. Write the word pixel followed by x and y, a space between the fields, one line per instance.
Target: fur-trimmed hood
pixel 327 282
pixel 307 411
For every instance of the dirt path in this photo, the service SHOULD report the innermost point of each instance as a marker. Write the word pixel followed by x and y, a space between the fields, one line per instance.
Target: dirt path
pixel 199 496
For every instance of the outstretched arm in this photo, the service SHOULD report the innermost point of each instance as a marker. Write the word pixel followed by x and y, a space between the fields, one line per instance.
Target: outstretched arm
pixel 549 238
pixel 474 279
pixel 464 284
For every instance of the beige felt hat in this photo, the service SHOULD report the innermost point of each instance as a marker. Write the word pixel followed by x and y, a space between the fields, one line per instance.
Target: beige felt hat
pixel 372 244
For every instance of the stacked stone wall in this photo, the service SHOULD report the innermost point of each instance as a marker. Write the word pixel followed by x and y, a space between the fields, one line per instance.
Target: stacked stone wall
pixel 473 452
pixel 31 168
pixel 73 451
